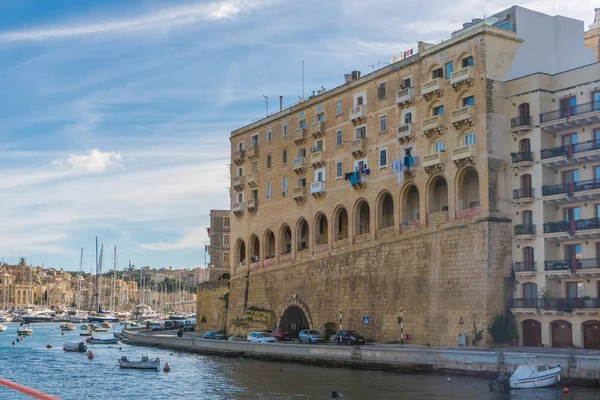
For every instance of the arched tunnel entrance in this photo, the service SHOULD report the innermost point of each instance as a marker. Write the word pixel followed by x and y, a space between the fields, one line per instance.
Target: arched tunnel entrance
pixel 294 320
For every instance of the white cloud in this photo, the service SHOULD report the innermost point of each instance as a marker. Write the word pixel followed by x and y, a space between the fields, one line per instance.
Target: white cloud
pixel 195 238
pixel 92 161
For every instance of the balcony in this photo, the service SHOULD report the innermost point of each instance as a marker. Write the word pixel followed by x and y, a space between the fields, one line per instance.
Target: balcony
pixel 317 129
pixel 431 87
pixel 434 161
pixel 251 180
pixel 525 195
pixel 521 124
pixel 317 159
pixel 252 205
pixel 571 117
pixel 405 132
pixel 571 154
pixel 300 193
pixel 525 267
pixel 571 191
pixel 580 267
pixel 554 304
pixel 299 164
pixel 524 232
pixel 522 159
pixel 405 97
pixel 317 189
pixel 359 147
pixel 575 229
pixel 238 157
pixel 432 125
pixel 463 75
pixel 465 154
pixel 357 179
pixel 358 113
pixel 299 135
pixel 238 182
pixel 463 115
pixel 238 208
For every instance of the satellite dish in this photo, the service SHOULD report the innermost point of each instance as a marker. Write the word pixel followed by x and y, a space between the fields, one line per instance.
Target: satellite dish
pixel 313 149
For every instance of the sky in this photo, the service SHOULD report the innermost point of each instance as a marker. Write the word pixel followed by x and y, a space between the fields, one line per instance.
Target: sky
pixel 115 115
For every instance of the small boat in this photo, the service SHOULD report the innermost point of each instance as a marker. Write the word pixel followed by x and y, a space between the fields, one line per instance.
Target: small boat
pixel 3 328
pixel 93 340
pixel 534 376
pixel 97 328
pixel 24 330
pixel 79 347
pixel 85 334
pixel 144 364
pixel 84 327
pixel 106 324
pixel 68 327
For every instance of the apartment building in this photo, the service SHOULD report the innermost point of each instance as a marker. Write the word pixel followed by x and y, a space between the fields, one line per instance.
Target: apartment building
pixel 389 192
pixel 218 250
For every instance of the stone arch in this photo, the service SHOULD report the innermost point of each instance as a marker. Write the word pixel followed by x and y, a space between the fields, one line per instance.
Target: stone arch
pixel 463 95
pixel 437 194
pixel 461 140
pixel 321 229
pixel 411 204
pixel 430 107
pixel 285 235
pixel 254 248
pixel 340 218
pixel 224 276
pixel 240 252
pixel 431 69
pixel 590 331
pixel 302 235
pixel 385 210
pixel 561 333
pixel 531 332
pixel 467 188
pixel 463 56
pixel 362 217
pixel 269 243
pixel 298 304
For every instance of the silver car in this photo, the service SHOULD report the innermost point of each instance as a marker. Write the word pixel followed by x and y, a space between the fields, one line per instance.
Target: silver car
pixel 261 337
pixel 310 336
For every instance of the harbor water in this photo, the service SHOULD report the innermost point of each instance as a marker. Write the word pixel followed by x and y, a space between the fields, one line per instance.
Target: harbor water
pixel 73 376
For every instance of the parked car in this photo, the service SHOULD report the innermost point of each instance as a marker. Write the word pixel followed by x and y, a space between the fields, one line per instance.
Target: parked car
pixel 214 335
pixel 282 334
pixel 157 326
pixel 261 337
pixel 189 326
pixel 310 336
pixel 349 338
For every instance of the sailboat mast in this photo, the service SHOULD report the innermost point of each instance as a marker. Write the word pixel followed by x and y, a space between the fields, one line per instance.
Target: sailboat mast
pixel 100 276
pixel 79 280
pixel 114 282
pixel 97 288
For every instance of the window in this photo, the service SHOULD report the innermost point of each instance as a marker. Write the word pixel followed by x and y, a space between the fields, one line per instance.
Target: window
pixel 569 139
pixel 338 138
pixel 255 194
pixel 570 176
pixel 284 129
pixel 338 170
pixel 302 123
pixel 240 197
pixel 438 146
pixel 319 145
pixel 360 165
pixel 359 101
pixel 254 166
pixel 301 152
pixel 467 62
pixel 439 110
pixel 225 258
pixel 269 161
pixel 339 107
pixel 407 82
pixel 382 123
pixel 226 222
pixel 254 140
pixel 226 240
pixel 320 175
pixel 438 73
pixel 301 182
pixel 321 117
pixel 383 158
pixel 596 100
pixel 284 186
pixel 572 213
pixel 269 134
pixel 360 133
pixel 470 138
pixel 240 146
pixel 568 107
pixel 269 194
pixel 381 91
pixel 448 68
pixel 284 157
pixel 240 171
pixel 468 101
pixel 408 117
pixel 597 172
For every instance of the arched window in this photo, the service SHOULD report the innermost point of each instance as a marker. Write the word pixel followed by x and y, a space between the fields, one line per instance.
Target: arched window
pixel 286 240
pixel 269 245
pixel 363 218
pixel 254 249
pixel 411 205
pixel 526 186
pixel 468 189
pixel 528 259
pixel 386 211
pixel 341 224
pixel 438 195
pixel 240 250
pixel 302 235
pixel 322 230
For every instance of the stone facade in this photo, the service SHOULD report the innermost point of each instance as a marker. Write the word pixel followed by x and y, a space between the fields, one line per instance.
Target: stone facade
pixel 592 36
pixel 211 306
pixel 218 250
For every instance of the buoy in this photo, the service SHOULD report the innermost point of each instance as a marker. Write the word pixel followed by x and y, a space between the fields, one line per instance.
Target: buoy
pixel 449 380
pixel 166 368
pixel 120 348
pixel 48 346
pixel 22 338
pixel 62 334
pixel 13 342
pixel 90 355
pixel 566 390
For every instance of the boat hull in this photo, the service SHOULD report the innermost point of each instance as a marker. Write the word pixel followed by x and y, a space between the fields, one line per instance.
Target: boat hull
pixel 24 332
pixel 548 379
pixel 103 319
pixel 148 365
pixel 78 347
pixel 103 341
pixel 3 328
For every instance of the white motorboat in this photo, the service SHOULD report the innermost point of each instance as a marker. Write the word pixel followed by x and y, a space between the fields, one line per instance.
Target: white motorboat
pixel 39 316
pixel 3 328
pixel 79 347
pixel 99 328
pixel 24 330
pixel 68 327
pixel 534 376
pixel 144 364
pixel 5 318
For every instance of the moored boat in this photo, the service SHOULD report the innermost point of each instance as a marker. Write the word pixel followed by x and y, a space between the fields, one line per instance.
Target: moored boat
pixel 75 346
pixel 93 340
pixel 84 327
pixel 98 328
pixel 534 376
pixel 145 363
pixel 3 328
pixel 86 333
pixel 24 330
pixel 68 327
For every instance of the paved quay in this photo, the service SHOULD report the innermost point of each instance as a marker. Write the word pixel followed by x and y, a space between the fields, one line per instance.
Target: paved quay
pixel 580 366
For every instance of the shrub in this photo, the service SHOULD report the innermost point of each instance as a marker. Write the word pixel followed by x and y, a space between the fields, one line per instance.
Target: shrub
pixel 502 328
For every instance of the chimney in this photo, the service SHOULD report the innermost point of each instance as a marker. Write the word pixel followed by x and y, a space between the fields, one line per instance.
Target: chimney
pixel 280 103
pixel 347 78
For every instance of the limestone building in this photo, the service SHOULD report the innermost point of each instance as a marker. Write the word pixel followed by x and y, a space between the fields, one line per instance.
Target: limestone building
pixel 390 191
pixel 218 250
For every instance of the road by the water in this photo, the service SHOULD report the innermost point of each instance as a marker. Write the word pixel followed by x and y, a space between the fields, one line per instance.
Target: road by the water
pixel 192 376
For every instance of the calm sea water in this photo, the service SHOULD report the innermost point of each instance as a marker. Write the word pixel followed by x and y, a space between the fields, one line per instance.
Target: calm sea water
pixel 192 376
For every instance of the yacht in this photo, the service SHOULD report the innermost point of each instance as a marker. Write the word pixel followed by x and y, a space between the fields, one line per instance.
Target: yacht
pixel 24 330
pixel 145 313
pixel 5 318
pixel 39 316
pixel 77 316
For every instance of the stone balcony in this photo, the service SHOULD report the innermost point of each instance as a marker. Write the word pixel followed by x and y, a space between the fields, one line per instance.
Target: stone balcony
pixel 405 132
pixel 251 180
pixel 462 76
pixel 464 154
pixel 252 152
pixel 317 129
pixel 299 164
pixel 300 193
pixel 317 189
pixel 238 157
pixel 252 205
pixel 238 208
pixel 299 135
pixel 520 124
pixel 434 161
pixel 359 147
pixel 404 97
pixel 317 159
pixel 463 115
pixel 431 87
pixel 433 125
pixel 238 182
pixel 358 113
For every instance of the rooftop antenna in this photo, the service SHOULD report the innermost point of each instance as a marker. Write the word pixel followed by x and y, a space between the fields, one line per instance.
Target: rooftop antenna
pixel 267 103
pixel 372 66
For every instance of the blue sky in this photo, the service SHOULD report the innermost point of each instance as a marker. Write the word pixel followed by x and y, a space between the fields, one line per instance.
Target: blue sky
pixel 115 114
